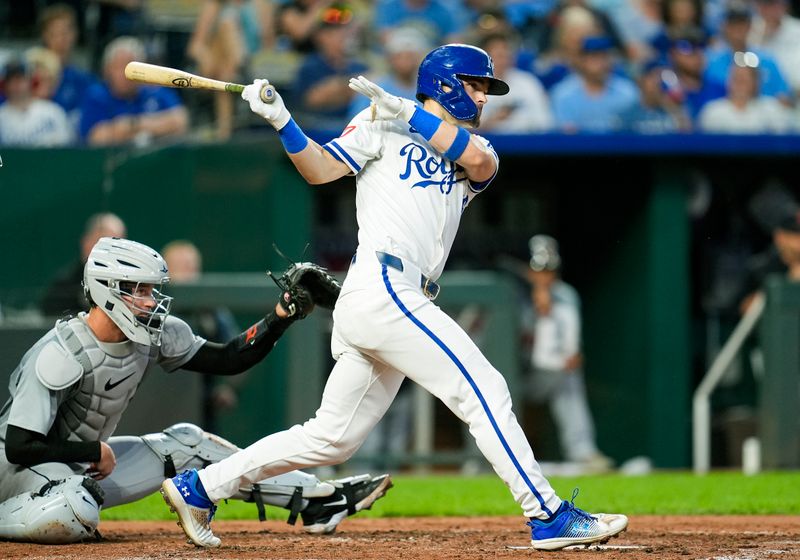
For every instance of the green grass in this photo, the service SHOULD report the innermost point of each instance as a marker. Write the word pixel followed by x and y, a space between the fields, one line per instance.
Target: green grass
pixel 662 493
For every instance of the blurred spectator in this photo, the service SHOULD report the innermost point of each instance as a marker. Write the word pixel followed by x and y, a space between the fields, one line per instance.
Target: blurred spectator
pixel 485 18
pixel 26 120
pixel 552 323
pixel 59 32
pixel 745 110
pixel 640 23
pixel 775 31
pixel 227 32
pixel 782 257
pixel 687 57
pixel 299 19
pixel 526 107
pixel 735 30
pixel 660 109
pixel 45 70
pixel 65 294
pixel 185 264
pixel 119 110
pixel 604 25
pixel 574 24
pixel 432 17
pixel 677 15
pixel 322 80
pixel 115 18
pixel 593 99
pixel 405 48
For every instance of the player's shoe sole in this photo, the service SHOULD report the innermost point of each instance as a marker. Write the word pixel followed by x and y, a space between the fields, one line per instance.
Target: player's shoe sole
pixel 193 520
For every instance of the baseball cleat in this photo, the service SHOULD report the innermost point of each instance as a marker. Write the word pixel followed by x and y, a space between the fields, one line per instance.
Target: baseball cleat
pixel 572 526
pixel 184 496
pixel 353 494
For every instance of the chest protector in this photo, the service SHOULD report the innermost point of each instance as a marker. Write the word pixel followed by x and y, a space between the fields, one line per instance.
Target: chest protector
pixel 92 407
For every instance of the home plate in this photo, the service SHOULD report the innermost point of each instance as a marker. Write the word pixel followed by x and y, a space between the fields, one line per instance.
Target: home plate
pixel 590 547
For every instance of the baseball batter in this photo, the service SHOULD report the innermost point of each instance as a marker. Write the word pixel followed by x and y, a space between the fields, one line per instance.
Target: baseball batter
pixel 417 169
pixel 60 462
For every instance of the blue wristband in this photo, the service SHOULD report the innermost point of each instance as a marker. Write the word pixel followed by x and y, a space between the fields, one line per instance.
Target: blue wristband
pixel 425 123
pixel 458 146
pixel 293 138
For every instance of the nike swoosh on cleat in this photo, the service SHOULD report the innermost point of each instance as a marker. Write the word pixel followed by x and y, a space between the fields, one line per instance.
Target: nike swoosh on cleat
pixel 340 502
pixel 110 385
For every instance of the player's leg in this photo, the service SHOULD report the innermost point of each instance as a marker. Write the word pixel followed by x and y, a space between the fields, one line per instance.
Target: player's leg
pixel 357 394
pixel 570 409
pixel 144 462
pixel 432 349
pixel 48 503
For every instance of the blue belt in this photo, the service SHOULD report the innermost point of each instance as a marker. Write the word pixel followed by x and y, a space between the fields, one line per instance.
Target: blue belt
pixel 430 288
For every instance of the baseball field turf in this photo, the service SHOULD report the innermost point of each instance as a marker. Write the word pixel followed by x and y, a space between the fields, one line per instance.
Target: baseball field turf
pixel 668 493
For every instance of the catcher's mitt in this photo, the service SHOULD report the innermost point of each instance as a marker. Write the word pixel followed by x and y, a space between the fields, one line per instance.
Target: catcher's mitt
pixel 305 284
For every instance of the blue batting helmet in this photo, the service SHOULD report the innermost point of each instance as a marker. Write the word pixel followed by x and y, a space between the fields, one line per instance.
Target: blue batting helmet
pixel 447 66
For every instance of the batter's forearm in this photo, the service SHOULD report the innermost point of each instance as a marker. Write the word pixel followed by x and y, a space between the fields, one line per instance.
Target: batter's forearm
pixel 317 166
pixel 456 144
pixel 27 448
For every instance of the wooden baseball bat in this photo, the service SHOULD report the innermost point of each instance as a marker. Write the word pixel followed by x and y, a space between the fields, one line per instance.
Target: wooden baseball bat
pixel 171 77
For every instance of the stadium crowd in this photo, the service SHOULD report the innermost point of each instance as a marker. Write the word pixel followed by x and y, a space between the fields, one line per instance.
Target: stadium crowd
pixel 598 66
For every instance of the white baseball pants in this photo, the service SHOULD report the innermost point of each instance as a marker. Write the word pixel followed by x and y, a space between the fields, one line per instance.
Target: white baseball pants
pixel 385 329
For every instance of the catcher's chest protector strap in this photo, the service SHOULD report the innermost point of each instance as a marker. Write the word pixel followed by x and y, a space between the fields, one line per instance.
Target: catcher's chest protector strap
pixel 295 505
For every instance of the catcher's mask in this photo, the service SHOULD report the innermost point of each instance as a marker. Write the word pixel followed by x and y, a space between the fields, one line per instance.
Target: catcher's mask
pixel 124 279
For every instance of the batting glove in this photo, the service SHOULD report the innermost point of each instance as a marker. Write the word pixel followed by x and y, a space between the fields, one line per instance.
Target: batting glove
pixel 275 113
pixel 385 106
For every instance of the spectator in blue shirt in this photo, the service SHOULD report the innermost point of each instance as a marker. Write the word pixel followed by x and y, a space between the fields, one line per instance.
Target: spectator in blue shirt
pixel 59 32
pixel 593 99
pixel 735 29
pixel 322 81
pixel 660 109
pixel 688 60
pixel 117 110
pixel 431 17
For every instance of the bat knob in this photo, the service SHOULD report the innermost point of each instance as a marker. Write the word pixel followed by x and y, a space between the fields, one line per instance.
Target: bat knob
pixel 267 94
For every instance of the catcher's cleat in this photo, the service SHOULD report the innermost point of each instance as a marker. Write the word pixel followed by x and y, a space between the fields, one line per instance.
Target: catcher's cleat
pixel 185 496
pixel 571 526
pixel 352 494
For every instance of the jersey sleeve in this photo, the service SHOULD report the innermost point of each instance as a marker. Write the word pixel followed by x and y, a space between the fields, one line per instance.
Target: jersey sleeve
pixel 359 143
pixel 34 406
pixel 477 187
pixel 178 344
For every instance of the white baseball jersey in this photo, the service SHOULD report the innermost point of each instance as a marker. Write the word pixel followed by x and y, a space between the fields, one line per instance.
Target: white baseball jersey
pixel 409 202
pixel 42 123
pixel 409 199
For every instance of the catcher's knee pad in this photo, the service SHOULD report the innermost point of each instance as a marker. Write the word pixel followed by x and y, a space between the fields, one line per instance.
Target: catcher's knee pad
pixel 185 445
pixel 62 511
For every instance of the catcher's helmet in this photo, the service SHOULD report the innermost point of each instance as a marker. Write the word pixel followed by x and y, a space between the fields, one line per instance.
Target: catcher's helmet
pixel 544 253
pixel 118 277
pixel 446 66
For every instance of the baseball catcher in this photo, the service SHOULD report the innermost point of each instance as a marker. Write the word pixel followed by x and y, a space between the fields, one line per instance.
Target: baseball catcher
pixel 61 462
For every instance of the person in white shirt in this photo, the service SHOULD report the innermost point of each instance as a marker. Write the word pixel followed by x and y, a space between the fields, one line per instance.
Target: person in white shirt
pixel 744 110
pixel 417 170
pixel 526 108
pixel 774 30
pixel 553 322
pixel 25 120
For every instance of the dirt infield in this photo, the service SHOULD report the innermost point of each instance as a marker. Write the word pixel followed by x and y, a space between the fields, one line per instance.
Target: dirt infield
pixel 651 537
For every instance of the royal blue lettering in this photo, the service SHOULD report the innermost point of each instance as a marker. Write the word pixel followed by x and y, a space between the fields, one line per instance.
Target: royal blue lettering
pixel 426 167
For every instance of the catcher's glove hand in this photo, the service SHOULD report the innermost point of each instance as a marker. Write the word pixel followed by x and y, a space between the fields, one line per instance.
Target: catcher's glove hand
pixel 305 284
